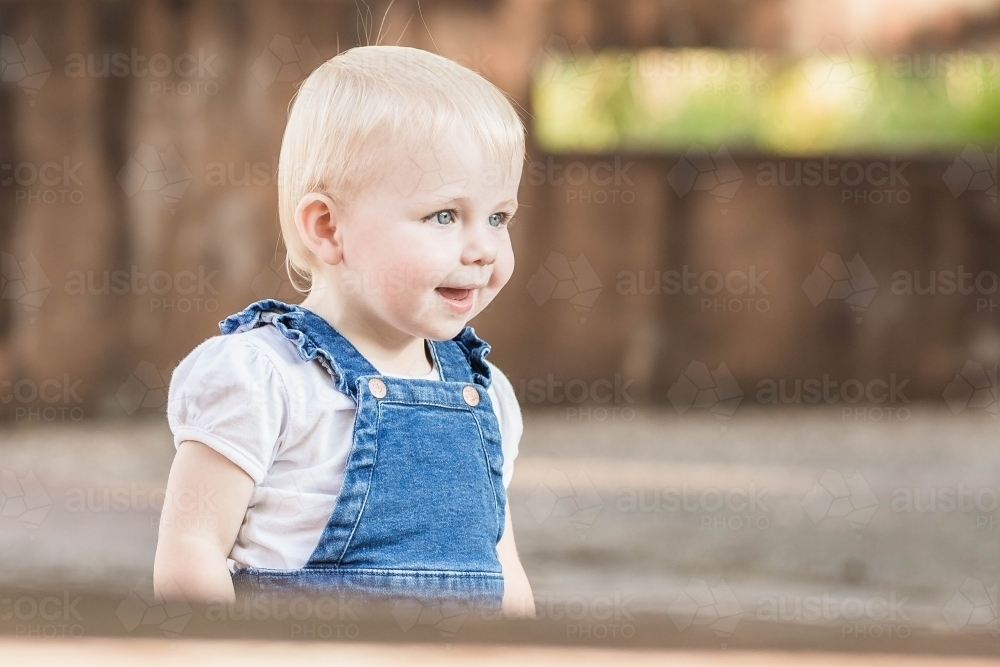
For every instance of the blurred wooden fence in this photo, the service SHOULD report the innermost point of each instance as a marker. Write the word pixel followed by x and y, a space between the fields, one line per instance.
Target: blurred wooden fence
pixel 137 209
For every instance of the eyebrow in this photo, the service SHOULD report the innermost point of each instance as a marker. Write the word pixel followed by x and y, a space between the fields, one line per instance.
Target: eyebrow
pixel 445 201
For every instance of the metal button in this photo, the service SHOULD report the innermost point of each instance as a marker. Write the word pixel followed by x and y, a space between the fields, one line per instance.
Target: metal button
pixel 377 388
pixel 470 395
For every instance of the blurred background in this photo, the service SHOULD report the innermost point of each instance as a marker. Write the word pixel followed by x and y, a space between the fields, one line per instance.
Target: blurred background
pixel 754 326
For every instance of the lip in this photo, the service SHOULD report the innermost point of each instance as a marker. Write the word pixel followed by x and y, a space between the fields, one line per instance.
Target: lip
pixel 459 298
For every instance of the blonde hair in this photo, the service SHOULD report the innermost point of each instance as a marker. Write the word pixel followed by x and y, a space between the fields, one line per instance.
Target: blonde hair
pixel 353 109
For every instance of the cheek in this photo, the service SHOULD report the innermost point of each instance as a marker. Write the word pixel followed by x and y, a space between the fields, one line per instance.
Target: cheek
pixel 401 266
pixel 395 253
pixel 423 256
pixel 503 267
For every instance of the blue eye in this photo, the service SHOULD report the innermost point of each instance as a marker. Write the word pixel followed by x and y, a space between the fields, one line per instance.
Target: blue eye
pixel 498 219
pixel 442 217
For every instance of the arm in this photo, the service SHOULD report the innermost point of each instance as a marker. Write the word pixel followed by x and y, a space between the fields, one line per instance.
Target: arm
pixel 518 600
pixel 206 500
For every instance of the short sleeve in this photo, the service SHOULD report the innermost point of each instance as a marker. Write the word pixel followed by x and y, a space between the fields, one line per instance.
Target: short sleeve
pixel 228 395
pixel 509 416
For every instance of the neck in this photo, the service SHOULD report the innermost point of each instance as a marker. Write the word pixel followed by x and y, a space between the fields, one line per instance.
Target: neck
pixel 389 350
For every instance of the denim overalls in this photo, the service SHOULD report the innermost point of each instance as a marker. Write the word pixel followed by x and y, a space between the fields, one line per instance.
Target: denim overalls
pixel 422 505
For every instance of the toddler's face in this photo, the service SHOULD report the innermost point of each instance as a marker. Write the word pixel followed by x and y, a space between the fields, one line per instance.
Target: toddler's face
pixel 427 248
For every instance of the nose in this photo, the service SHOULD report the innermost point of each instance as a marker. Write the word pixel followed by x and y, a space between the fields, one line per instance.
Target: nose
pixel 480 246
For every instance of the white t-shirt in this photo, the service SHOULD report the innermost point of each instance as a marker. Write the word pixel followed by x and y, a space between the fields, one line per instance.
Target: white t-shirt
pixel 250 397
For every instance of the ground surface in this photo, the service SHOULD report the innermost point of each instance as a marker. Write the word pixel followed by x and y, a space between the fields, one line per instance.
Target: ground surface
pixel 797 529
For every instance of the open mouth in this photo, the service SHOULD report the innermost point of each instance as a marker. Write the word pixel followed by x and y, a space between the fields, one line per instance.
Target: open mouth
pixel 455 293
pixel 459 298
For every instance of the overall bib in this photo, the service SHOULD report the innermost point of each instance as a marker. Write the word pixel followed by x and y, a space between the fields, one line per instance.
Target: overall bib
pixel 422 506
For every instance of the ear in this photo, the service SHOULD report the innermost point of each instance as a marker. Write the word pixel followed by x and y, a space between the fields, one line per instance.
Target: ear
pixel 317 219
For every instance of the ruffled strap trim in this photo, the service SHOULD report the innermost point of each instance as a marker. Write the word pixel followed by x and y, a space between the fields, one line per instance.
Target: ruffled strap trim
pixel 475 350
pixel 284 317
pixel 293 322
pixel 251 316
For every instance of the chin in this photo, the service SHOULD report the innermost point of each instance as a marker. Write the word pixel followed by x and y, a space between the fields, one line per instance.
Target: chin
pixel 443 330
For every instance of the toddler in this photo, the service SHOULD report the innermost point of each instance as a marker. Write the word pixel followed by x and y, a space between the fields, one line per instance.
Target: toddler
pixel 360 443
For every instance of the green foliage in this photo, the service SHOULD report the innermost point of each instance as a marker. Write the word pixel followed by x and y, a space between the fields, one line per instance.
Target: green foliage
pixel 663 100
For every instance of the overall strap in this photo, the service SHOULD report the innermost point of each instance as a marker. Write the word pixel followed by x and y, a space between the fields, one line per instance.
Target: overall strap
pixel 313 336
pixel 461 359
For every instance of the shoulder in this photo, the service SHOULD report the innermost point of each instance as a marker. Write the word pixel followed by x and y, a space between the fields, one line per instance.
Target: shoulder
pixel 224 371
pixel 265 343
pixel 229 358
pixel 261 361
pixel 502 387
pixel 229 395
pixel 509 419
